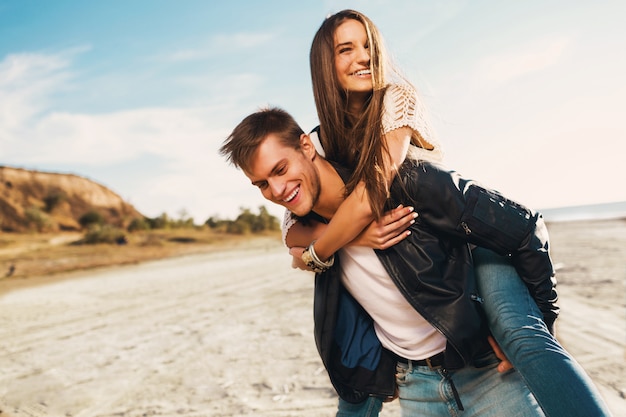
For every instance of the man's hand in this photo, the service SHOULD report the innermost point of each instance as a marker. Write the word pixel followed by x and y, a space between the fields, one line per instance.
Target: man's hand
pixel 504 365
pixel 297 262
pixel 389 230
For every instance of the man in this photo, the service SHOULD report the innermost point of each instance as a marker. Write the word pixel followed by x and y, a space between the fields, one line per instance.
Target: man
pixel 376 316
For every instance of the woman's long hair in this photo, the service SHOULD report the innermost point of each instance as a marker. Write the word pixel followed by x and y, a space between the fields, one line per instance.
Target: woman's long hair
pixel 355 141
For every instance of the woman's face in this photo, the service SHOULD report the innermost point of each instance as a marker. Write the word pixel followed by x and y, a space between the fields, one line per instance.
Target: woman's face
pixel 352 57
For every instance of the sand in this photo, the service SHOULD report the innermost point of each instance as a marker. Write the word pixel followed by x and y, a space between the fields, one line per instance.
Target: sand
pixel 230 333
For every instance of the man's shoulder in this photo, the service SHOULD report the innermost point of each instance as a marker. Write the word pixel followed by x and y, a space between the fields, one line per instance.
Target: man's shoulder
pixel 422 166
pixel 422 175
pixel 343 172
pixel 308 218
pixel 315 136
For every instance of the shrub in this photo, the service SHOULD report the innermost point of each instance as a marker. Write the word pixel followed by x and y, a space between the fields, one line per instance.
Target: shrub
pixel 91 218
pixel 258 223
pixel 161 222
pixel 266 221
pixel 53 199
pixel 213 222
pixel 139 223
pixel 104 234
pixel 36 219
pixel 238 227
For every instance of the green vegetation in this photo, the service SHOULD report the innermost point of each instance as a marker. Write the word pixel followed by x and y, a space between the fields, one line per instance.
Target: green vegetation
pixel 139 224
pixel 246 223
pixel 36 219
pixel 104 234
pixel 53 199
pixel 91 218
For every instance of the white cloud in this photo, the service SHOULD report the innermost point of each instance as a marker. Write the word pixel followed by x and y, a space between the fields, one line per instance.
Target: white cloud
pixel 231 88
pixel 524 59
pixel 184 140
pixel 188 173
pixel 220 43
pixel 242 40
pixel 25 82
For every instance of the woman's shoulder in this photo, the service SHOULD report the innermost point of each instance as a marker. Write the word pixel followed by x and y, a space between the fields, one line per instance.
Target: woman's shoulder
pixel 403 88
pixel 400 99
pixel 402 107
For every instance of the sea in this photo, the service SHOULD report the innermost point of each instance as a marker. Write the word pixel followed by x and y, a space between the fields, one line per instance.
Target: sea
pixel 604 211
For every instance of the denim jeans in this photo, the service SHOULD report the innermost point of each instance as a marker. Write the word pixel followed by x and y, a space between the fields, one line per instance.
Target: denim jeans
pixel 466 392
pixel 368 408
pixel 558 382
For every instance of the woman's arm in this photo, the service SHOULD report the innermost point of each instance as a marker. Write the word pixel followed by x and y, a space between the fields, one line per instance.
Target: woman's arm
pixel 355 213
pixel 300 235
pixel 389 230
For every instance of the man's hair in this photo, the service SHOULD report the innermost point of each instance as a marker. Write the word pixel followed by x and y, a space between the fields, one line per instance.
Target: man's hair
pixel 241 145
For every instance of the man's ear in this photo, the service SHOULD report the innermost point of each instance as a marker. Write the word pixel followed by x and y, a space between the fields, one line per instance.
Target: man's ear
pixel 307 146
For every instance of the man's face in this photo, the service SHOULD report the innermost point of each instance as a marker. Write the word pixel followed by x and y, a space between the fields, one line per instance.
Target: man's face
pixel 286 176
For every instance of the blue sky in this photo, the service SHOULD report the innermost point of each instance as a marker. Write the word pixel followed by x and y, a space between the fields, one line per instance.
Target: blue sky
pixel 525 96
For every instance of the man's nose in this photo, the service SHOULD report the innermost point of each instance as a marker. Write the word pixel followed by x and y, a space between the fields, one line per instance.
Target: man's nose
pixel 277 187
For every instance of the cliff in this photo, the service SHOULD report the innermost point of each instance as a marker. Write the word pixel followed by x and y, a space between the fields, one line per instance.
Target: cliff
pixel 45 201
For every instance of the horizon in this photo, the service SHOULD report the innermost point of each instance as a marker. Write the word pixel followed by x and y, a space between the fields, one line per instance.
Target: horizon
pixel 139 96
pixel 594 211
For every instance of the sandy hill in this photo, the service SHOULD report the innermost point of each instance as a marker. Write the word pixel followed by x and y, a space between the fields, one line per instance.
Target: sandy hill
pixel 45 201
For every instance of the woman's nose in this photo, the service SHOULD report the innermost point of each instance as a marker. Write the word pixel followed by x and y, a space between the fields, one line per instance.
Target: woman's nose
pixel 363 55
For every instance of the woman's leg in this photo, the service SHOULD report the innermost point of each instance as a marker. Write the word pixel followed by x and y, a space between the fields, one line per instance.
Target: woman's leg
pixel 558 382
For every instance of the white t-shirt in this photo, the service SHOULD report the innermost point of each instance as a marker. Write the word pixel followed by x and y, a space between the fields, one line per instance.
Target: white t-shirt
pixel 398 326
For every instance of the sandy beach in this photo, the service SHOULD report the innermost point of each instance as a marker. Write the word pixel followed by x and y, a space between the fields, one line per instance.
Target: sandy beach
pixel 230 333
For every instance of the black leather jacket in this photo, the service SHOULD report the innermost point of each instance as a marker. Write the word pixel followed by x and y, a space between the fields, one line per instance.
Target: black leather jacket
pixel 433 269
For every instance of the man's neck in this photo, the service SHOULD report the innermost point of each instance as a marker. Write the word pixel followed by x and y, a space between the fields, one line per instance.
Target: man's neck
pixel 332 189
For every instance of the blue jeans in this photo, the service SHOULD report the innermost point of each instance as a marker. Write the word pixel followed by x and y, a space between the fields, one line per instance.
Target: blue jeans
pixel 467 392
pixel 558 382
pixel 368 408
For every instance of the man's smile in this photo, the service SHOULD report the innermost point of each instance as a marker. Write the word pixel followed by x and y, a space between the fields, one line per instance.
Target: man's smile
pixel 292 195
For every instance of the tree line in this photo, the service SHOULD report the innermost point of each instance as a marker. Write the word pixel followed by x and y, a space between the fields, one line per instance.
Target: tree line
pixel 247 222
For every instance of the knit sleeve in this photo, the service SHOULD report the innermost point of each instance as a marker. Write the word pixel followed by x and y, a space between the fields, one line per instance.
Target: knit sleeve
pixel 288 220
pixel 403 107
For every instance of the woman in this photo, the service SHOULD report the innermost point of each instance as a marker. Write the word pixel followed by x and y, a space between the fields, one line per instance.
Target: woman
pixel 370 120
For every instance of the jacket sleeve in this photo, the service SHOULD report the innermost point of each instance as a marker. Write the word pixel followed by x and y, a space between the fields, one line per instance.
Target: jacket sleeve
pixel 464 209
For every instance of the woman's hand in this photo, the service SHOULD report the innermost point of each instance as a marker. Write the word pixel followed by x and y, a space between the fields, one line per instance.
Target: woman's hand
pixel 389 230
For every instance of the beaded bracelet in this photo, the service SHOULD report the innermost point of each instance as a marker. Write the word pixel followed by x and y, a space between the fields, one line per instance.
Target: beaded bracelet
pixel 310 258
